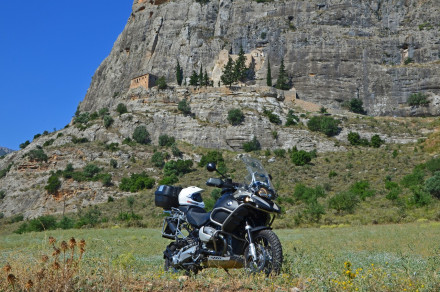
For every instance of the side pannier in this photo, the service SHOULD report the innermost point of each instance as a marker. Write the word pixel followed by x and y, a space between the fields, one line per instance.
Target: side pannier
pixel 167 197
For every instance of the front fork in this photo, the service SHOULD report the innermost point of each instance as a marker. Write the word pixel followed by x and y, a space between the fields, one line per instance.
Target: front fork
pixel 251 243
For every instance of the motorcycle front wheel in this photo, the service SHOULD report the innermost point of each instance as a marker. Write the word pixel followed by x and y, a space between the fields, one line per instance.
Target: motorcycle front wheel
pixel 269 253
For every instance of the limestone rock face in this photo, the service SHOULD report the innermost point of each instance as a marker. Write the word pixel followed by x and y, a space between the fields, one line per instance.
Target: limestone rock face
pixel 334 50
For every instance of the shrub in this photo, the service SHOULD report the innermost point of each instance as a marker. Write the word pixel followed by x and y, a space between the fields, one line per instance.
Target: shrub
pixel 112 147
pixel 136 182
pixel 356 106
pixel 38 224
pixel 83 118
pixel 176 151
pixel 376 141
pixel 177 167
pixel 113 163
pixel 4 171
pixel 301 157
pixel 110 199
pixel 432 185
pixel 158 159
pixel 162 83
pixel 332 174
pixel 37 136
pixel 90 170
pixel 121 108
pixel 66 223
pixel 414 179
pixel 108 121
pixel 279 152
pixel 169 180
pixel 291 119
pixel 306 194
pixel 76 140
pixel 2 194
pixel 314 211
pixel 408 61
pixel 252 145
pixel 103 112
pixel 25 144
pixel 344 201
pixel 106 179
pixel 324 124
pixel 165 140
pixel 16 218
pixel 2 215
pixel 90 218
pixel 433 165
pixel 273 118
pixel 53 184
pixel 417 99
pixel 184 107
pixel 48 142
pixel 420 197
pixel 37 155
pixel 354 138
pixel 362 189
pixel 141 135
pixel 216 157
pixel 129 142
pixel 235 116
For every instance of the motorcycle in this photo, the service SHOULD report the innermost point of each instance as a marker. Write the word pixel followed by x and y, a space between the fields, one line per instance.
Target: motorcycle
pixel 237 232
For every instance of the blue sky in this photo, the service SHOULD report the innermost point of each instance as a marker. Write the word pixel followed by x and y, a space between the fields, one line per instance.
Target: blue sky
pixel 49 51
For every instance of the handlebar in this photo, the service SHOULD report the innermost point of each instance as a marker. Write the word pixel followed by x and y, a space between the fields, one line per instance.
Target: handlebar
pixel 223 184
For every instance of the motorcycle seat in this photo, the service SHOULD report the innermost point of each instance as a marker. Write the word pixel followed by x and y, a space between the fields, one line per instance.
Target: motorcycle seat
pixel 196 216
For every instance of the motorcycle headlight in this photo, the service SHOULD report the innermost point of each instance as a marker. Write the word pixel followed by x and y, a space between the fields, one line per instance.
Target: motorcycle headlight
pixel 264 193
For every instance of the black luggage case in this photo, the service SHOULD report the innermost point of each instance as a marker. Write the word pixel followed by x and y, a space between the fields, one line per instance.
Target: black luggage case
pixel 167 197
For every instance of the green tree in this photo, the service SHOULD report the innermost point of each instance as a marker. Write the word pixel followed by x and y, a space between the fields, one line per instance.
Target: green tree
pixel 165 140
pixel 252 145
pixel 283 80
pixel 376 141
pixel 269 75
pixel 205 79
pixel 25 144
pixel 179 74
pixel 356 106
pixel 354 138
pixel 240 66
pixel 324 124
pixel 344 201
pixel 53 184
pixel 432 185
pixel 194 79
pixel 108 121
pixel 235 117
pixel 228 77
pixel 300 157
pixel 162 83
pixel 416 99
pixel 37 155
pixel 141 135
pixel 201 83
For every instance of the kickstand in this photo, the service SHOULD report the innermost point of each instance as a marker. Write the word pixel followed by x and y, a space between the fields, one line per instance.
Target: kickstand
pixel 227 272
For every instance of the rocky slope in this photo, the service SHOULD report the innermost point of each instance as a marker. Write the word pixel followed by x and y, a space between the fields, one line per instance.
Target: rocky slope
pixel 4 151
pixel 380 51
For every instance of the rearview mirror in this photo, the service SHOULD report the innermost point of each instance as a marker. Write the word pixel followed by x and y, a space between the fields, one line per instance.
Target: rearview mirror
pixel 211 167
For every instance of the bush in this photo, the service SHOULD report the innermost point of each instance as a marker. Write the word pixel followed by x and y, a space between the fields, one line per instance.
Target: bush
pixel 103 112
pixel 279 152
pixel 417 99
pixel 433 165
pixel 113 163
pixel 48 142
pixel 25 144
pixel 136 182
pixel 112 147
pixel 354 138
pixel 162 83
pixel 90 170
pixel 53 184
pixel 420 197
pixel 376 141
pixel 106 179
pixel 169 180
pixel 76 140
pixel 344 201
pixel 121 108
pixel 90 218
pixel 16 218
pixel 165 140
pixel 129 142
pixel 176 151
pixel 356 106
pixel 212 156
pixel 324 124
pixel 177 167
pixel 362 189
pixel 37 155
pixel 38 224
pixel 2 194
pixel 184 107
pixel 291 119
pixel 301 157
pixel 332 174
pixel 66 223
pixel 432 185
pixel 4 171
pixel 158 159
pixel 308 195
pixel 273 118
pixel 82 118
pixel 253 145
pixel 108 121
pixel 235 117
pixel 141 135
pixel 416 178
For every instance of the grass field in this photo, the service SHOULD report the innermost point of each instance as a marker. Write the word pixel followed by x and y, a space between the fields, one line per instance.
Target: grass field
pixel 404 257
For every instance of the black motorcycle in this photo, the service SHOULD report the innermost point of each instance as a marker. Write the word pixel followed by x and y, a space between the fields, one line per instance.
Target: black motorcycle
pixel 235 234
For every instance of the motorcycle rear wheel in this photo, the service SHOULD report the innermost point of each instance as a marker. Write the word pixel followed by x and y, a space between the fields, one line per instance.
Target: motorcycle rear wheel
pixel 269 253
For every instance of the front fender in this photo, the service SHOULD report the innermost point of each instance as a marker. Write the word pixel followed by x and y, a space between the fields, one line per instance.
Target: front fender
pixel 258 228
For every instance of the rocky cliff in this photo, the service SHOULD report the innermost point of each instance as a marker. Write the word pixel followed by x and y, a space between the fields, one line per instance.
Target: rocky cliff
pixel 4 151
pixel 380 51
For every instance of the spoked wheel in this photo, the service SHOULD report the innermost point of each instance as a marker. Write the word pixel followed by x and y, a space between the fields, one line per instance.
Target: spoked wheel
pixel 269 253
